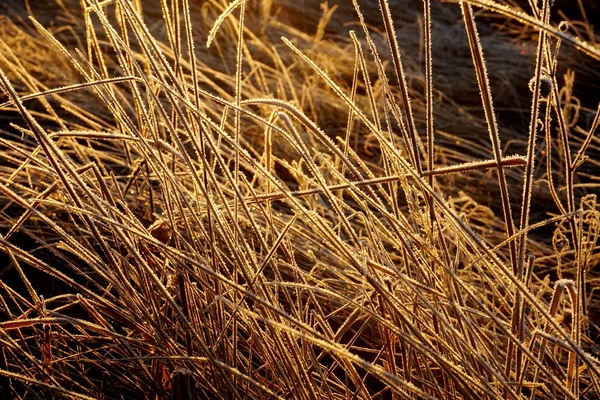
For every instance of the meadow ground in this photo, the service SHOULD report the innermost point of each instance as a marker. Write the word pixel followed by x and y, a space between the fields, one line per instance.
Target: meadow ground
pixel 299 199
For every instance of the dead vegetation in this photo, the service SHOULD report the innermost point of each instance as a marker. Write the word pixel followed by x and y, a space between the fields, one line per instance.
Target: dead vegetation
pixel 264 199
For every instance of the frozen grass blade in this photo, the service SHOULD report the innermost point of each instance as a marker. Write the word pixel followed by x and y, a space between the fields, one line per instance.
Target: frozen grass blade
pixel 490 116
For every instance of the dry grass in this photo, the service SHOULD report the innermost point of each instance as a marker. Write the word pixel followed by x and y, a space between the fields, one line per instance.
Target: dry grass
pixel 194 206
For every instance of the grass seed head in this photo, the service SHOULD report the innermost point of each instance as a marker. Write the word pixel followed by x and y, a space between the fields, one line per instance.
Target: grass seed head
pixel 545 85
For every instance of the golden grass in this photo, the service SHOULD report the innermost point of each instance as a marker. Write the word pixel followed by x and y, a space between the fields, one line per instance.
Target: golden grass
pixel 208 200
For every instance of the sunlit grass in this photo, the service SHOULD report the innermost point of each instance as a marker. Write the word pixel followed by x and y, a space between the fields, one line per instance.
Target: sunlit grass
pixel 223 205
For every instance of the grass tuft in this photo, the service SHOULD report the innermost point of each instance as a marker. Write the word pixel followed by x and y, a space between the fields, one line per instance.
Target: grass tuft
pixel 248 200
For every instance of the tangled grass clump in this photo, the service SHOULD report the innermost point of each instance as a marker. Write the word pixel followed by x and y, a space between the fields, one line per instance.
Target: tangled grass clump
pixel 194 206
